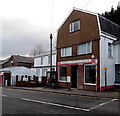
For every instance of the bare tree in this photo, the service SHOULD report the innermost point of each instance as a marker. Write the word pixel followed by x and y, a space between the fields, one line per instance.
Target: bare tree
pixel 37 50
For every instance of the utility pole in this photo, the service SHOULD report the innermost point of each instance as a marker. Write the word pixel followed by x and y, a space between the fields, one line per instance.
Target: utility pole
pixel 51 57
pixel 105 68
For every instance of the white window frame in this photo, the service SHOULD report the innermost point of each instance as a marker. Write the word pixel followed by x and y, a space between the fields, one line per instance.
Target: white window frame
pixel 63 52
pixel 72 26
pixel 111 50
pixel 86 48
pixel 42 60
pixel 84 74
pixel 44 70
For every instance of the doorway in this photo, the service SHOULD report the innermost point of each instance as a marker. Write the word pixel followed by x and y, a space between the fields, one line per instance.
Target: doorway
pixel 8 78
pixel 74 71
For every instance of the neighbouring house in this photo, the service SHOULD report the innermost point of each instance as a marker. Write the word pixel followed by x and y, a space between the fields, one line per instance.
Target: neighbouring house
pixel 1 63
pixel 42 64
pixel 8 75
pixel 88 45
pixel 116 45
pixel 17 60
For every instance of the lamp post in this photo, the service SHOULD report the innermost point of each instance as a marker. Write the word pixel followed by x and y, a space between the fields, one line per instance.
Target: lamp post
pixel 50 58
pixel 105 68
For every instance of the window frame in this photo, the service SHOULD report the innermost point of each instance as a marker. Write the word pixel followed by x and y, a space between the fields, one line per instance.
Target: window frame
pixel 72 26
pixel 111 54
pixel 60 73
pixel 42 60
pixel 63 52
pixel 86 47
pixel 95 74
pixel 44 71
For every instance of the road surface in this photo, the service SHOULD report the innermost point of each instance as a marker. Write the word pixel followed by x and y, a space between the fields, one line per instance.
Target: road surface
pixel 16 101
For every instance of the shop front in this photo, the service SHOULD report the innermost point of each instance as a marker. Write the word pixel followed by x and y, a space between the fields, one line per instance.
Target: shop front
pixel 81 74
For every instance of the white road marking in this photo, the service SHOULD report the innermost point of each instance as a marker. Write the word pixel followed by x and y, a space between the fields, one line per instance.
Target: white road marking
pixel 3 95
pixel 102 104
pixel 54 104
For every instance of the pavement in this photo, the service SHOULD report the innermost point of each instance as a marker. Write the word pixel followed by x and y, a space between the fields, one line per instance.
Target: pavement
pixel 107 94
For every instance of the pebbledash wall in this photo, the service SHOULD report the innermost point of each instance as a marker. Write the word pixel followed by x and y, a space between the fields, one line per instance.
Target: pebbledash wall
pixel 94 29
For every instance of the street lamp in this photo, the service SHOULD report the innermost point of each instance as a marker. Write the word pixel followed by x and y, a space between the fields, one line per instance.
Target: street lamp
pixel 51 57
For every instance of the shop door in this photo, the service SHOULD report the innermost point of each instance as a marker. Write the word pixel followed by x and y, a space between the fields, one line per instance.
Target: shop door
pixel 74 71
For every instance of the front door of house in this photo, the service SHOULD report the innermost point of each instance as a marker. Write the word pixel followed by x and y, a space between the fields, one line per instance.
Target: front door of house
pixel 74 72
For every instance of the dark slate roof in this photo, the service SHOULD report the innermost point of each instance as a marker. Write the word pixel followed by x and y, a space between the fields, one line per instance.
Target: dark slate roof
pixel 109 27
pixel 116 42
pixel 19 58
pixel 24 59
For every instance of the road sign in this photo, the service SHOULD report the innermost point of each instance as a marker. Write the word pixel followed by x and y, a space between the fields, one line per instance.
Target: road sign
pixel 105 68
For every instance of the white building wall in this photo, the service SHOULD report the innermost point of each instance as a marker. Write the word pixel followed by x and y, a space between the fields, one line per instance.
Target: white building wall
pixel 37 61
pixel 105 61
pixel 42 69
pixel 117 53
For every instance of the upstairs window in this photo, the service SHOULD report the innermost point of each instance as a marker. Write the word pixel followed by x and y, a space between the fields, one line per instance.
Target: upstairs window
pixel 84 48
pixel 41 60
pixel 74 26
pixel 66 51
pixel 109 50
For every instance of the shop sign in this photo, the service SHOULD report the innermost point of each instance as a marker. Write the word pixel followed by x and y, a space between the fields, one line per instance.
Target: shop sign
pixel 76 61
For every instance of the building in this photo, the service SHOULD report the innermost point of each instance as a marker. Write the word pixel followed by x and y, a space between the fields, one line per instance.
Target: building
pixel 42 63
pixel 86 44
pixel 17 60
pixel 8 75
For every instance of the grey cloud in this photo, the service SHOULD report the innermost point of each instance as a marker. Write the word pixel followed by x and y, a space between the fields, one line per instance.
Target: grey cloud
pixel 19 36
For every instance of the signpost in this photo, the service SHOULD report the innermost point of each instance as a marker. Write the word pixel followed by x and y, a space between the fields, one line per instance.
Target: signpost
pixel 105 68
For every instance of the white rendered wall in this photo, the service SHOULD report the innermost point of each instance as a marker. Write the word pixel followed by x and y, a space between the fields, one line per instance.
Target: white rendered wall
pixel 105 61
pixel 117 53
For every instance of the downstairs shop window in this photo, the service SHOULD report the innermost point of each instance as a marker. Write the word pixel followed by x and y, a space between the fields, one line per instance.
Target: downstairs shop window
pixel 63 73
pixel 90 74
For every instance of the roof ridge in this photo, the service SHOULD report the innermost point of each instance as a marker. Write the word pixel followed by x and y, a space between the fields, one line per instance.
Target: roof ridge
pixel 86 11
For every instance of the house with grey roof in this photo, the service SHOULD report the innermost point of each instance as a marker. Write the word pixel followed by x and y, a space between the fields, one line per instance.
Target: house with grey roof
pixel 88 52
pixel 17 60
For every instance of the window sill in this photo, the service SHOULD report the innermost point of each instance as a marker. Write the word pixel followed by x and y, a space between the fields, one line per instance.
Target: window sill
pixel 89 84
pixel 84 54
pixel 62 81
pixel 111 57
pixel 65 56
pixel 74 31
pixel 76 55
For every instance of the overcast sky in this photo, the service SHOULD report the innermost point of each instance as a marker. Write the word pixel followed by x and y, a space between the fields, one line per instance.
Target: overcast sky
pixel 25 23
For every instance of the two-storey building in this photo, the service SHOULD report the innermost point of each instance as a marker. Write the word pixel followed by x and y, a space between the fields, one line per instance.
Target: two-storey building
pixel 42 63
pixel 86 44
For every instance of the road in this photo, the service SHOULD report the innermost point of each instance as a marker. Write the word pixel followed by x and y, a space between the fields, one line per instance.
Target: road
pixel 16 101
